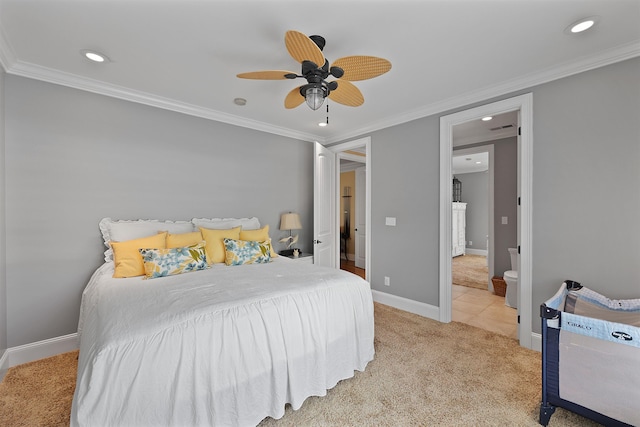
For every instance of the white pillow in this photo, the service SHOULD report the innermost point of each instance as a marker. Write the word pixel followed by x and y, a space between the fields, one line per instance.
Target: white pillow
pixel 226 223
pixel 123 230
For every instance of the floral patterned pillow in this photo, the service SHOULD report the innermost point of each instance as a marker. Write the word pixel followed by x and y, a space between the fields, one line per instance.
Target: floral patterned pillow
pixel 240 252
pixel 169 262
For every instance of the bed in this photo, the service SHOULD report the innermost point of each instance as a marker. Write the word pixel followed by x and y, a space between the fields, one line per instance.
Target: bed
pixel 224 346
pixel 591 356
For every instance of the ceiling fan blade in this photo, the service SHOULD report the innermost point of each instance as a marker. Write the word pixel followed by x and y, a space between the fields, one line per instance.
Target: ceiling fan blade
pixel 362 67
pixel 302 48
pixel 293 98
pixel 347 94
pixel 266 75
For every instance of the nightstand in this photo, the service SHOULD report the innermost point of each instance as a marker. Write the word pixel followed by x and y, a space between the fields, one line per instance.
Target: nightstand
pixel 303 257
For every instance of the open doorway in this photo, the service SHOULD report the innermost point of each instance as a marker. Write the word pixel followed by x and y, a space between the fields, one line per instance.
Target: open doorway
pixel 353 213
pixel 523 106
pixel 489 226
pixel 351 225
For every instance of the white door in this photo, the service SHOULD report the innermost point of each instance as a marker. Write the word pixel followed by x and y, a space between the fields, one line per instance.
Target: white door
pixel 360 214
pixel 324 208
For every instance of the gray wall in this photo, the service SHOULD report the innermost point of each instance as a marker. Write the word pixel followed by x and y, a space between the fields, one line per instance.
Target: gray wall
pixel 405 183
pixel 505 202
pixel 74 157
pixel 475 193
pixel 586 181
pixel 586 201
pixel 3 281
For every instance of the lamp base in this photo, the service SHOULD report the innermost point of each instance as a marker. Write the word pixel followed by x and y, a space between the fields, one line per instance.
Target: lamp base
pixel 288 252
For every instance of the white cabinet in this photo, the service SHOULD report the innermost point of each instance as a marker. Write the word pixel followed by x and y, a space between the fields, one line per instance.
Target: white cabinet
pixel 458 224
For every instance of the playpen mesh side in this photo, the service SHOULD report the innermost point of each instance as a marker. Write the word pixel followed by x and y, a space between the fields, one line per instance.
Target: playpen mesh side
pixel 590 365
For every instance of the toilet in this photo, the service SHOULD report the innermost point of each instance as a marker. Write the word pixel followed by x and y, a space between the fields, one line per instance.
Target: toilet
pixel 511 279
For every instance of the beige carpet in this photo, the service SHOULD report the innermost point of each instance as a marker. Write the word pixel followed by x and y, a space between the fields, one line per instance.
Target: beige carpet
pixel 470 271
pixel 424 373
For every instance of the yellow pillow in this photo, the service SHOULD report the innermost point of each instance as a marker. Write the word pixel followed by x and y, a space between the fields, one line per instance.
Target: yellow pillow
pixel 215 242
pixel 183 239
pixel 126 256
pixel 260 235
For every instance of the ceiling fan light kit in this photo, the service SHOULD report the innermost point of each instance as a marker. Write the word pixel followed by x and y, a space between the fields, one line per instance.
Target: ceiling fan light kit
pixel 308 52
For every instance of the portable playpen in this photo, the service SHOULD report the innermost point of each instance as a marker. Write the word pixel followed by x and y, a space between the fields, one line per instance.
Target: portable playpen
pixel 591 356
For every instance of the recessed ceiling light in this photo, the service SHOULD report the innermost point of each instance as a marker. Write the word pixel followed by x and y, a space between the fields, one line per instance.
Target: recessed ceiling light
pixel 478 163
pixel 94 56
pixel 581 25
pixel 323 124
pixel 240 101
pixel 486 119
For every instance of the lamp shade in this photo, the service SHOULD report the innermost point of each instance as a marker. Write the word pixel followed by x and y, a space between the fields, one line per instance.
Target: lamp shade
pixel 290 221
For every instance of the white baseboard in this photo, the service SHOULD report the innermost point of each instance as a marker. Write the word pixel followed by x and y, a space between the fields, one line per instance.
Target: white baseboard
pixel 38 350
pixel 536 341
pixel 430 311
pixel 415 307
pixel 470 251
pixel 4 364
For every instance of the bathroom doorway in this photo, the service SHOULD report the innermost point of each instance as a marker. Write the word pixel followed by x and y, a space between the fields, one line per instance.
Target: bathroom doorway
pixel 474 300
pixel 523 106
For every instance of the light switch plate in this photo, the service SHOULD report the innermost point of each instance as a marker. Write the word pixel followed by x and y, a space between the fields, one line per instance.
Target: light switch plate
pixel 505 220
pixel 390 220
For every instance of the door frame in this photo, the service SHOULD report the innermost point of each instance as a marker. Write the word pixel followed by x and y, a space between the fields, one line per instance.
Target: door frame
pixel 340 150
pixel 523 104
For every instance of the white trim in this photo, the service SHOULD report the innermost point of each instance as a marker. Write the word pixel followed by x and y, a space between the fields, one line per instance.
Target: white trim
pixel 13 65
pixel 78 82
pixel 7 57
pixel 4 364
pixel 607 57
pixel 415 307
pixel 536 341
pixel 524 104
pixel 471 251
pixel 38 350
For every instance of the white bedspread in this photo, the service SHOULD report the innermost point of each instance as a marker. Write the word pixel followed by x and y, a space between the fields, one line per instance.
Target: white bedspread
pixel 221 347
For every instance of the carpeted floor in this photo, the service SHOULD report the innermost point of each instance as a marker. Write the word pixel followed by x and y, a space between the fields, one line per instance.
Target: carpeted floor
pixel 470 271
pixel 425 373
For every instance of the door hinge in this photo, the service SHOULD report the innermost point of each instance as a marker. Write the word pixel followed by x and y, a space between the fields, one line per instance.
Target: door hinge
pixel 518 249
pixel 519 130
pixel 518 319
pixel 519 201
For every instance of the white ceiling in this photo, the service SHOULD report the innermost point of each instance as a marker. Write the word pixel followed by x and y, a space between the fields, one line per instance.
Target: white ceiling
pixel 184 55
pixel 469 163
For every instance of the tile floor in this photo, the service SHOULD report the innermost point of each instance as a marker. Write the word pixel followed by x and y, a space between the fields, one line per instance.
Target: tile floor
pixel 482 309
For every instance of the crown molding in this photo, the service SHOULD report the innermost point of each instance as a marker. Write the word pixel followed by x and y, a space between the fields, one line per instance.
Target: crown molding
pixel 50 75
pixel 7 57
pixel 606 57
pixel 13 66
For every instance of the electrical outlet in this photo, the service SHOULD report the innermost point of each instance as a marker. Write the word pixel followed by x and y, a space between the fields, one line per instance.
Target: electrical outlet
pixel 387 281
pixel 470 243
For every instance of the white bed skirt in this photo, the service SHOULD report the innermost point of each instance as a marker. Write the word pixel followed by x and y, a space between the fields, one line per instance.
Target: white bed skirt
pixel 223 347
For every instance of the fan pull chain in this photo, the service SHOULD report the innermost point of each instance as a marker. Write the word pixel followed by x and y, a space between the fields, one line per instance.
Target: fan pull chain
pixel 327 114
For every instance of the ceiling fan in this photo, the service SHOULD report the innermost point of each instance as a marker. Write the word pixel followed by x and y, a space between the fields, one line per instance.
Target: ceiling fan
pixel 316 69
